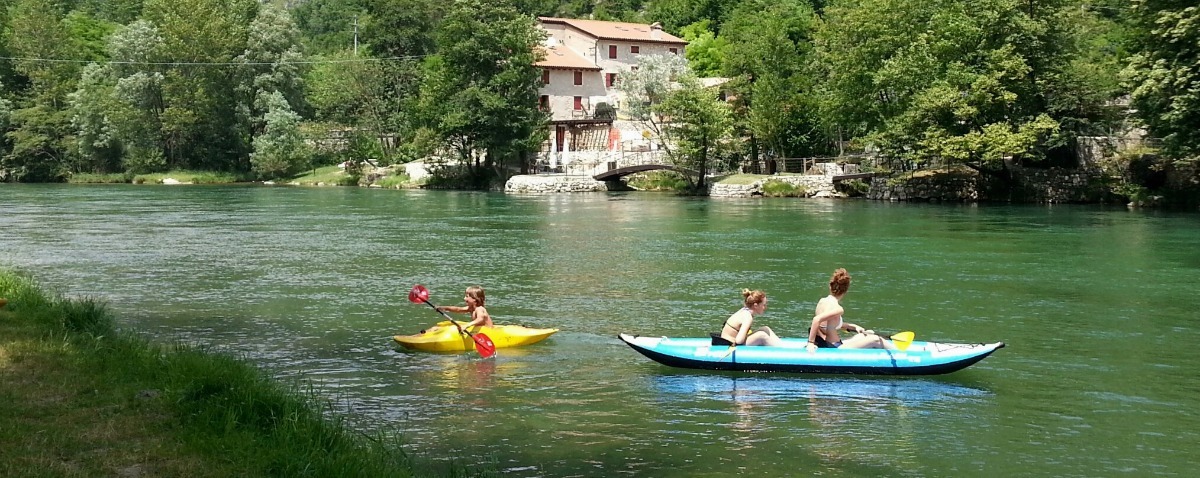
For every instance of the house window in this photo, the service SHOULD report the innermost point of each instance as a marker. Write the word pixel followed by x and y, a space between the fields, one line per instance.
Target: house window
pixel 544 102
pixel 610 79
pixel 635 49
pixel 578 103
pixel 578 77
pixel 674 51
pixel 612 51
pixel 545 77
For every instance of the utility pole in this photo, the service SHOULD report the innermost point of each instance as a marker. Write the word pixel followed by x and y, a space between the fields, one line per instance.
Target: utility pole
pixel 356 35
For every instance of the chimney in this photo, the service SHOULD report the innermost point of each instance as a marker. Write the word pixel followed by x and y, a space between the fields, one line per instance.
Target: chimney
pixel 655 31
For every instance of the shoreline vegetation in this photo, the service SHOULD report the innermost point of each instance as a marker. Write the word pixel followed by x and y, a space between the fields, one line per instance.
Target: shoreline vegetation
pixel 84 398
pixel 322 176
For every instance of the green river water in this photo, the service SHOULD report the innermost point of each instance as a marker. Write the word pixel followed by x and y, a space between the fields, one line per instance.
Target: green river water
pixel 1098 306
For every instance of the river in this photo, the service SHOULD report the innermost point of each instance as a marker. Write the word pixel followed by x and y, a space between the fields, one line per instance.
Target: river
pixel 1098 306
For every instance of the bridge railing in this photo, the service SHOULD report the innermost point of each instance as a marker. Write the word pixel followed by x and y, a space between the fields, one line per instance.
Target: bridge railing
pixel 592 163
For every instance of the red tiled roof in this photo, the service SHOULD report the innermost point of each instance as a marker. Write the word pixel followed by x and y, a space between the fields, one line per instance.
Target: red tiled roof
pixel 562 57
pixel 639 32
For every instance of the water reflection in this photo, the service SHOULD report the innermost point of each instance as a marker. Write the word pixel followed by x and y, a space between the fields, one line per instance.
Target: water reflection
pixel 861 390
pixel 831 423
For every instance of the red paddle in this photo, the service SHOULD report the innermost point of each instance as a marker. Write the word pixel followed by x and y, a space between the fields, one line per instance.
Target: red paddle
pixel 483 343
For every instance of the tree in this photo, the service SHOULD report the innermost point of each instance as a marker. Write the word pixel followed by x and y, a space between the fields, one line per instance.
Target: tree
pixel 769 48
pixel 280 150
pixel 480 92
pixel 41 122
pixel 98 148
pixel 704 50
pixel 202 126
pixel 401 35
pixel 117 108
pixel 137 118
pixel 946 81
pixel 649 85
pixel 1164 74
pixel 699 126
pixel 328 26
pixel 675 14
pixel 668 100
pixel 272 62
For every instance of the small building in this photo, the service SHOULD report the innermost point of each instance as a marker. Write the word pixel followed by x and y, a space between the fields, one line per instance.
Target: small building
pixel 584 60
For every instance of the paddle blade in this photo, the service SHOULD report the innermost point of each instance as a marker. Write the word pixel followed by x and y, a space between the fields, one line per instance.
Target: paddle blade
pixel 484 345
pixel 903 340
pixel 418 294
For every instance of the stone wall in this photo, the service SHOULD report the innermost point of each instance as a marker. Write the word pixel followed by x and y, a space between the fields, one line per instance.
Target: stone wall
pixel 1028 185
pixel 1059 185
pixel 814 186
pixel 553 183
pixel 954 187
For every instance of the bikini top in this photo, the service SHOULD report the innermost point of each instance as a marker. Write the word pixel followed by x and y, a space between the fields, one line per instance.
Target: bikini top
pixel 735 329
pixel 825 326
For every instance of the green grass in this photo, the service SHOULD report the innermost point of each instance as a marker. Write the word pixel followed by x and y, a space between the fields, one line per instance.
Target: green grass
pixel 396 181
pixel 190 177
pixel 325 175
pixel 777 188
pixel 83 399
pixel 658 181
pixel 90 178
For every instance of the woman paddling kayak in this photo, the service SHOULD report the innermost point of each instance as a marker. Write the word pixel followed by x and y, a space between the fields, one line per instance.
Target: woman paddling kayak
pixel 823 333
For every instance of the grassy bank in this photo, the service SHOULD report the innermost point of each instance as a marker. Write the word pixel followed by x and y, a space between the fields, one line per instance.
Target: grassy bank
pixel 182 177
pixel 83 399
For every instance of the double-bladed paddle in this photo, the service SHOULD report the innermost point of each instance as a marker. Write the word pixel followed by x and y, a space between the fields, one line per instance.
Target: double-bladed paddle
pixel 483 343
pixel 903 339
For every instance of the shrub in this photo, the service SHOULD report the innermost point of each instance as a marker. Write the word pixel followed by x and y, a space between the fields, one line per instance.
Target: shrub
pixel 658 181
pixel 777 188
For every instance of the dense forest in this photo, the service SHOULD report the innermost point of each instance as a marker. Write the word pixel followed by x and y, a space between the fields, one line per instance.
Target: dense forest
pixel 258 88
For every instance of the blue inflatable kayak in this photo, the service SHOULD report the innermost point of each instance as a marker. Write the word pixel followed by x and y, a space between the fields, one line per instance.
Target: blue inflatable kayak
pixel 920 358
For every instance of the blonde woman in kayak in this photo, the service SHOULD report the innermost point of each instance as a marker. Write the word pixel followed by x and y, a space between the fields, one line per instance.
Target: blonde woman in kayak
pixel 828 321
pixel 737 327
pixel 474 299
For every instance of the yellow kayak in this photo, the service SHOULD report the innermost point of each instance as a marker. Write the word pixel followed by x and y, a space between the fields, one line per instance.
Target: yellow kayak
pixel 444 337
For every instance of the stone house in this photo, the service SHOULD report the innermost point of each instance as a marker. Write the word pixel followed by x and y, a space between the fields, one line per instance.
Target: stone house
pixel 584 60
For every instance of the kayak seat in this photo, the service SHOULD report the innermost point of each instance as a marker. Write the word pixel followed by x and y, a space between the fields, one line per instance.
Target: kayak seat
pixel 718 340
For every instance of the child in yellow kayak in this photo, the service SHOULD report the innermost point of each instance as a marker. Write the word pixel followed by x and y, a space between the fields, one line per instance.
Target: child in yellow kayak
pixel 474 299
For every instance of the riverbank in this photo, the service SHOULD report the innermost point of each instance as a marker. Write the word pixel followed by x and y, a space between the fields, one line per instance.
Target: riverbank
pixel 83 398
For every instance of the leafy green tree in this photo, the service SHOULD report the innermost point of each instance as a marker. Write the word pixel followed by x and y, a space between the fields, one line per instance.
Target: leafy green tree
pixel 946 81
pixel 271 62
pixel 280 150
pixel 481 89
pixel 349 93
pixel 649 85
pixel 99 150
pixel 705 51
pixel 699 126
pixel 41 122
pixel 769 47
pixel 202 124
pixel 117 109
pixel 1164 74
pixel 88 34
pixel 691 123
pixel 401 35
pixel 6 108
pixel 675 14
pixel 337 87
pixel 137 118
pixel 327 26
pixel 117 11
